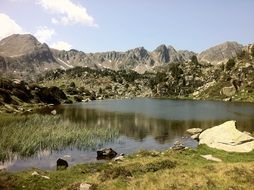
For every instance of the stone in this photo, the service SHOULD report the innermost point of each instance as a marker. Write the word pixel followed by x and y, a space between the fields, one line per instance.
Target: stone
pixel 53 112
pixel 78 98
pixel 227 137
pixel 228 91
pixel 178 146
pixel 68 101
pixel 212 158
pixel 45 177
pixel 61 164
pixel 86 100
pixel 85 186
pixel 194 131
pixel 227 99
pixel 106 153
pixel 119 158
pixel 195 137
pixel 35 173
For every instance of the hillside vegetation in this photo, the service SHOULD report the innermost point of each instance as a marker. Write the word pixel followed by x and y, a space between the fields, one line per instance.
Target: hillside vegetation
pixel 232 81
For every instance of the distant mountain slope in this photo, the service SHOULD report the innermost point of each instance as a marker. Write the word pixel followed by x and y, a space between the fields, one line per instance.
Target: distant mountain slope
pixel 220 53
pixel 138 59
pixel 25 47
pixel 24 54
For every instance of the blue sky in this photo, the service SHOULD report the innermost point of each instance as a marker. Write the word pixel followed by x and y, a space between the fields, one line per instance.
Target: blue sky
pixel 105 25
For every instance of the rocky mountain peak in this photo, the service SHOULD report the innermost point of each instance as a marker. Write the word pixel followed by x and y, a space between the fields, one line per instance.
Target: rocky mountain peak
pixel 220 53
pixel 161 52
pixel 171 49
pixel 19 44
pixel 139 53
pixel 23 53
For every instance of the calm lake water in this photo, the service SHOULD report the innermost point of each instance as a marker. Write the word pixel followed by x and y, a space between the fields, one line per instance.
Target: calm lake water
pixel 153 124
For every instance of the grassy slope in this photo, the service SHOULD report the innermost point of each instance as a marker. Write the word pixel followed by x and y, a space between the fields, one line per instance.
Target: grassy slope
pixel 147 170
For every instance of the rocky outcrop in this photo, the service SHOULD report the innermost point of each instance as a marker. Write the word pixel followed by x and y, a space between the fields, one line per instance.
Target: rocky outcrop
pixel 227 137
pixel 16 93
pixel 51 95
pixel 220 53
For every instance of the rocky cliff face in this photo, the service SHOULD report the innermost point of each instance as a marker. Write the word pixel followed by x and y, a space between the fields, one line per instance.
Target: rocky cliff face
pixel 220 53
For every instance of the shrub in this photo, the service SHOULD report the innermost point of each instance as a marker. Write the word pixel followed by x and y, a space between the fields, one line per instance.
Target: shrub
pixel 230 64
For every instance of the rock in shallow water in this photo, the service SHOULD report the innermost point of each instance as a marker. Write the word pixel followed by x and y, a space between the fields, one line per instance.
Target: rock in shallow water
pixel 106 153
pixel 227 137
pixel 61 164
pixel 194 131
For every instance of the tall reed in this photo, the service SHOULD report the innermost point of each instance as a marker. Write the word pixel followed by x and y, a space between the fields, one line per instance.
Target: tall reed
pixel 26 135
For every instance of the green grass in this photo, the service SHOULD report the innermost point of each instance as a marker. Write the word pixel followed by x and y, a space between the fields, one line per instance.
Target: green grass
pixel 26 135
pixel 147 170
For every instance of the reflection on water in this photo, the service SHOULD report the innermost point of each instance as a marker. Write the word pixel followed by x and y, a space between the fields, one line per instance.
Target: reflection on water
pixel 143 124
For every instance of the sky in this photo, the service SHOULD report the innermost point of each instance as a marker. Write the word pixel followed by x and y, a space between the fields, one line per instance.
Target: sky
pixel 119 25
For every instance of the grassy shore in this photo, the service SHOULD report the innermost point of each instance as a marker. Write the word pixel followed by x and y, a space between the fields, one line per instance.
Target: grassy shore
pixel 147 170
pixel 26 135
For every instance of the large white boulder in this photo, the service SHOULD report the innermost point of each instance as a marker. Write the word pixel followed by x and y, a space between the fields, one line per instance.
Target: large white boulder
pixel 227 137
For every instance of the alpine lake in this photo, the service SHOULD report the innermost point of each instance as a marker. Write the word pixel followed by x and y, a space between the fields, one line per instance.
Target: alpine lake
pixel 138 124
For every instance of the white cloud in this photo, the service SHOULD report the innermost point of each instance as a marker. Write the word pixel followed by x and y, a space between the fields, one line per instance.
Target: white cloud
pixel 67 12
pixel 8 26
pixel 44 34
pixel 61 45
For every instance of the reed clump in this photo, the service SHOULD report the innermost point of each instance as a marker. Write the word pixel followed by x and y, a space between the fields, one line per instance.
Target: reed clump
pixel 26 135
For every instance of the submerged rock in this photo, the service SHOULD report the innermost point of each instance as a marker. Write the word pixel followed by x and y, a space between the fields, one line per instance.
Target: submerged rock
pixel 227 137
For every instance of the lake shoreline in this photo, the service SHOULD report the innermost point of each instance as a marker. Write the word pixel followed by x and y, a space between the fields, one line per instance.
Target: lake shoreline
pixel 144 166
pixel 27 108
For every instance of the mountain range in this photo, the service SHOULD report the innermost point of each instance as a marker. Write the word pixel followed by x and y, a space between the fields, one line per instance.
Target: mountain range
pixel 24 55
